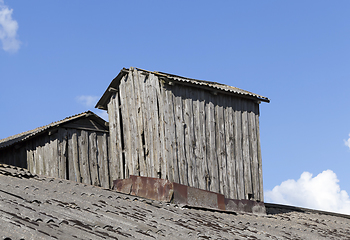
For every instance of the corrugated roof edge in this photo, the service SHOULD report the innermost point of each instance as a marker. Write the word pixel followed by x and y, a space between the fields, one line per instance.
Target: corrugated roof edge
pixel 113 86
pixel 301 209
pixel 11 140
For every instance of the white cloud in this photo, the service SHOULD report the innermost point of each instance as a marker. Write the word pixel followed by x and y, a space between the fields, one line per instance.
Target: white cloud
pixel 103 114
pixel 321 192
pixel 347 142
pixel 8 29
pixel 88 101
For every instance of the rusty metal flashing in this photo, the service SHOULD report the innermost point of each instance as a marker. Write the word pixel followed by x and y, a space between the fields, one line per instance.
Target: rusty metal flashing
pixel 166 191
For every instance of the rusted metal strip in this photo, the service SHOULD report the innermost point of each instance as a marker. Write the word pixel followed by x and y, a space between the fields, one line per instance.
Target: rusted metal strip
pixel 166 191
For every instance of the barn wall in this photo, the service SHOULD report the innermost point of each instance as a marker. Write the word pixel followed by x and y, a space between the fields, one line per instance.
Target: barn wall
pixel 186 135
pixel 77 155
pixel 14 155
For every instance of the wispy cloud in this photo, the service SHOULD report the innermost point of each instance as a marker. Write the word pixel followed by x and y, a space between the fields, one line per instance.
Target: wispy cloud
pixel 321 192
pixel 87 101
pixel 347 142
pixel 90 102
pixel 8 29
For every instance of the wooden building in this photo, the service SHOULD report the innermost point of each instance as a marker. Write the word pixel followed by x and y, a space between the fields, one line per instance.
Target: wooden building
pixel 75 148
pixel 197 133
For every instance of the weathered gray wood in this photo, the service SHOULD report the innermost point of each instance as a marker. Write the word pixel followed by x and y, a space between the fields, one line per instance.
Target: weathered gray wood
pixel 261 191
pixel 39 156
pixel 54 162
pixel 230 149
pixel 221 145
pixel 130 107
pixel 179 124
pixel 170 138
pixel 254 165
pixel 95 179
pixel 102 159
pixel 126 125
pixel 200 139
pixel 73 156
pixel 154 120
pixel 116 170
pixel 189 138
pixel 138 81
pixel 238 149
pixel 245 150
pixel 30 160
pixel 45 156
pixel 62 153
pixel 118 166
pixel 146 135
pixel 211 144
pixel 162 152
pixel 83 145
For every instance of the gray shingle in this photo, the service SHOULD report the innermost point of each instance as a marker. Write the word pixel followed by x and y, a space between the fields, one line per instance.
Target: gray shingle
pixel 37 207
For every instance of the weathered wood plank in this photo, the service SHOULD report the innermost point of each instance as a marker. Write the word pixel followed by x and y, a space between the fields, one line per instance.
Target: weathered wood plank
pixel 39 156
pixel 138 98
pixel 114 166
pixel 161 123
pixel 83 145
pixel 245 150
pixel 213 180
pixel 95 179
pixel 190 143
pixel 261 191
pixel 102 159
pixel 130 107
pixel 170 138
pixel 62 153
pixel 221 145
pixel 54 160
pixel 179 125
pixel 238 148
pixel 46 157
pixel 200 139
pixel 147 128
pixel 153 108
pixel 253 149
pixel 119 149
pixel 230 149
pixel 126 124
pixel 116 157
pixel 73 156
pixel 30 157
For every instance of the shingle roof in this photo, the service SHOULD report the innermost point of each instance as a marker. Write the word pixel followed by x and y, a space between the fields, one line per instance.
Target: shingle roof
pixel 37 207
pixel 102 103
pixel 6 142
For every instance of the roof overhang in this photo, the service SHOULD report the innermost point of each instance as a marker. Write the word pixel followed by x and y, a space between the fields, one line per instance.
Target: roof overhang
pixel 210 86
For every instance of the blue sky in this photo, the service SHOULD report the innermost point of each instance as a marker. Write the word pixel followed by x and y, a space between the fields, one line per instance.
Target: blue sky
pixel 58 57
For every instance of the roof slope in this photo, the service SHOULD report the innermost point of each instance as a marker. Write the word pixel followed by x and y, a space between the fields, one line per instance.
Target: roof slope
pixel 36 207
pixel 6 142
pixel 102 103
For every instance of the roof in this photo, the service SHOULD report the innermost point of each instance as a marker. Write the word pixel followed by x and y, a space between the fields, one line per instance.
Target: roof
pixel 102 103
pixel 6 142
pixel 37 207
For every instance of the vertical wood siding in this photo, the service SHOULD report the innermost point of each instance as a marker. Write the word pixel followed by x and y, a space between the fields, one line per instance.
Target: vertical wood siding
pixel 186 135
pixel 77 155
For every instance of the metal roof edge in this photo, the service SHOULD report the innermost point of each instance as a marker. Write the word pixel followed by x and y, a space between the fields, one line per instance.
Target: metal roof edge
pixel 113 86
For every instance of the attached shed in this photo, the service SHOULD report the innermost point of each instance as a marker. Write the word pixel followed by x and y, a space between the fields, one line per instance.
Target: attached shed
pixel 197 133
pixel 74 148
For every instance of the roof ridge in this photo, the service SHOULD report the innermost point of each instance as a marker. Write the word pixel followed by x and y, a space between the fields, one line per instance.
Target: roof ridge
pixel 34 131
